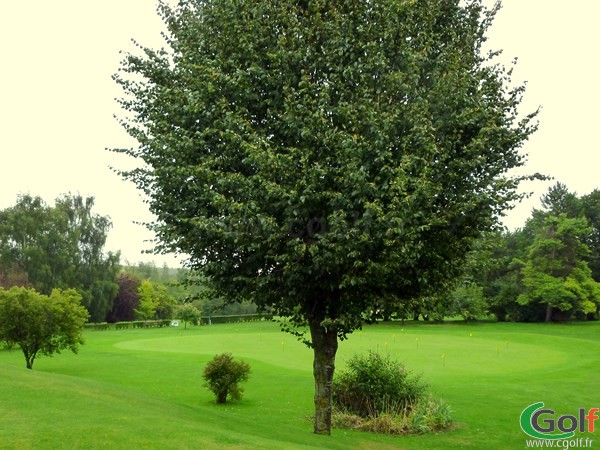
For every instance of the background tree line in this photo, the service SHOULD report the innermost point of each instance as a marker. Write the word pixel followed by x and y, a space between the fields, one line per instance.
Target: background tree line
pixel 62 247
pixel 548 270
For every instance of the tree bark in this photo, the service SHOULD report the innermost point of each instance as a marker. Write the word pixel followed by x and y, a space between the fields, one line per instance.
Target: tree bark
pixel 222 397
pixel 29 357
pixel 325 346
pixel 548 312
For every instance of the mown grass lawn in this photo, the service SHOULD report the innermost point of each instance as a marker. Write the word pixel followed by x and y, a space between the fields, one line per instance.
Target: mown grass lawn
pixel 142 388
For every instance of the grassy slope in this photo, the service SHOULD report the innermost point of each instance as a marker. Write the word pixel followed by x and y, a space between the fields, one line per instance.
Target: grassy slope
pixel 142 388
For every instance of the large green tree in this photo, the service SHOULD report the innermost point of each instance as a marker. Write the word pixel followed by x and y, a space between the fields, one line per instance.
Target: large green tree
pixel 41 324
pixel 590 204
pixel 556 274
pixel 315 156
pixel 60 246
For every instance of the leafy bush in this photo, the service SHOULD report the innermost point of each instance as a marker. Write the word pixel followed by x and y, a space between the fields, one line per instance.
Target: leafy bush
pixel 376 393
pixel 222 375
pixel 430 415
pixel 372 383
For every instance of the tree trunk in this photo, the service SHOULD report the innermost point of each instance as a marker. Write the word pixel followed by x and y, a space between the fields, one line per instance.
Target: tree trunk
pixel 222 397
pixel 548 313
pixel 29 357
pixel 325 346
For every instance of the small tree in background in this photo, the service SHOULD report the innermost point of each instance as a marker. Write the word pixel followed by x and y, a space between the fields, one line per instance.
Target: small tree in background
pixel 155 301
pixel 468 301
pixel 41 324
pixel 223 375
pixel 187 313
pixel 127 299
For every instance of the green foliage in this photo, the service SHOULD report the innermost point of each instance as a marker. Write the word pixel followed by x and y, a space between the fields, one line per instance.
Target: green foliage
pixel 233 318
pixel 559 200
pixel 556 273
pixel 468 301
pixel 590 205
pixel 59 247
pixel 103 326
pixel 155 302
pixel 188 313
pixel 373 384
pixel 394 161
pixel 547 270
pixel 316 157
pixel 223 375
pixel 100 326
pixel 40 324
pixel 430 415
pixel 376 393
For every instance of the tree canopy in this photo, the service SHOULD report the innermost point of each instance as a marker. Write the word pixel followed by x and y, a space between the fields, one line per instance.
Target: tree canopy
pixel 41 324
pixel 546 270
pixel 556 273
pixel 59 246
pixel 319 156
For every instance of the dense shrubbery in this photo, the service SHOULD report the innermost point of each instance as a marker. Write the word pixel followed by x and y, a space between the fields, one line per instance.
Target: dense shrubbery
pixel 372 383
pixel 223 375
pixel 376 393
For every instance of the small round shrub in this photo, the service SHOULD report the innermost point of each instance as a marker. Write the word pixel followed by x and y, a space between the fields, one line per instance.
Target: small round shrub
pixel 374 384
pixel 222 375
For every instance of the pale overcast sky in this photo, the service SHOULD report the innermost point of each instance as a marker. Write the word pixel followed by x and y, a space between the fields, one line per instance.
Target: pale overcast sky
pixel 57 100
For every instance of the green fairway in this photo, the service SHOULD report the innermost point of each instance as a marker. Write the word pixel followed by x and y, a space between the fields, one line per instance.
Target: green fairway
pixel 142 388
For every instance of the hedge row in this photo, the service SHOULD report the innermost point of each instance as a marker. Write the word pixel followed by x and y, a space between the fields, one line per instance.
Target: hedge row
pixel 235 318
pixel 167 322
pixel 125 325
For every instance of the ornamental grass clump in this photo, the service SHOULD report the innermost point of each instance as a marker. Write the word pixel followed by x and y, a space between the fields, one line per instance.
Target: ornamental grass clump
pixel 223 375
pixel 376 393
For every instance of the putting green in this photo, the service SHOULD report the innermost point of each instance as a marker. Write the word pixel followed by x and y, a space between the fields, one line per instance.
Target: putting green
pixel 432 353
